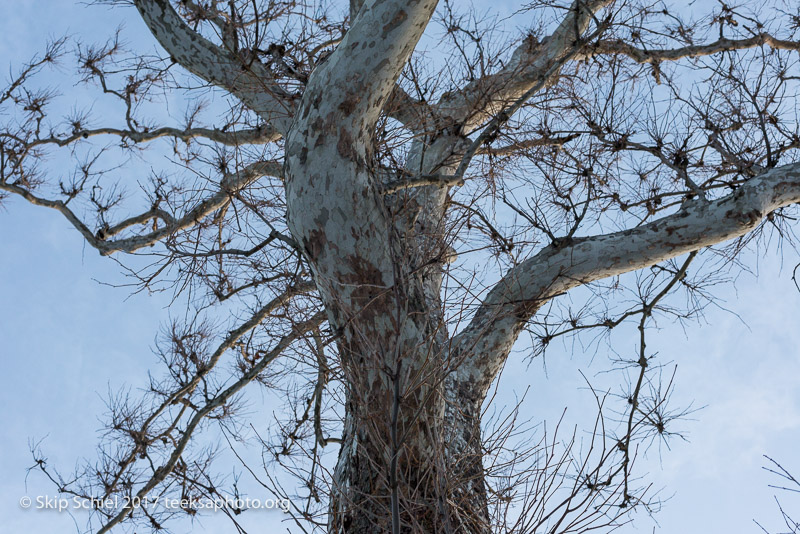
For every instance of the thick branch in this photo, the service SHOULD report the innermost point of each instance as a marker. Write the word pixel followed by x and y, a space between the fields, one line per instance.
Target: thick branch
pixel 487 96
pixel 722 45
pixel 494 98
pixel 557 268
pixel 414 114
pixel 251 82
pixel 518 147
pixel 439 180
pixel 363 70
pixel 258 135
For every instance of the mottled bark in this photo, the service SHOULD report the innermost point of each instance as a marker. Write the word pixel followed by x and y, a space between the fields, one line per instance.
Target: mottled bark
pixel 388 348
pixel 250 81
pixel 411 458
pixel 557 268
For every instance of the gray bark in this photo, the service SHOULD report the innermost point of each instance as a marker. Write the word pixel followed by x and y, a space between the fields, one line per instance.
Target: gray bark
pixel 375 264
pixel 411 454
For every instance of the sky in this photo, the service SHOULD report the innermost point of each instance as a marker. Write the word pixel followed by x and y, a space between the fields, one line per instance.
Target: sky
pixel 67 338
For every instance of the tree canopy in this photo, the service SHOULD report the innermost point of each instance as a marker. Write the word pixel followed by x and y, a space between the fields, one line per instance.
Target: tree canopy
pixel 366 206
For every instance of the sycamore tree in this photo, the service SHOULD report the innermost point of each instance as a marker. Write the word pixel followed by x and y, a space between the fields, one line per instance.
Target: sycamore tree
pixel 367 205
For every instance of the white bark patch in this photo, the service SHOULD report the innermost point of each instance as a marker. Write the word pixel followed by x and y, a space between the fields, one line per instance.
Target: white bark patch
pixel 523 290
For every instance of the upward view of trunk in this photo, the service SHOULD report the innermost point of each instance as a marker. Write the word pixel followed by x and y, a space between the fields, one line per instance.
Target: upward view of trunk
pixel 365 231
pixel 410 460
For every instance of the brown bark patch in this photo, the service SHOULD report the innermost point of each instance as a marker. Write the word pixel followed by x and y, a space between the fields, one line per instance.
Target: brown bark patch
pixel 348 106
pixel 315 243
pixel 368 280
pixel 398 19
pixel 346 146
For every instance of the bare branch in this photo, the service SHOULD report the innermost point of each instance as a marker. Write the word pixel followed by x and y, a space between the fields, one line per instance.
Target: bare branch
pixel 260 135
pixel 163 471
pixel 640 55
pixel 230 185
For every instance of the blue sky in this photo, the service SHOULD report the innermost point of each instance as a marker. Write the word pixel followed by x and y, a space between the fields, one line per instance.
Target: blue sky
pixel 67 339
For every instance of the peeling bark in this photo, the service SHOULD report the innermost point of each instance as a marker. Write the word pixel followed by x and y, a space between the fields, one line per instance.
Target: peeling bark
pixel 411 457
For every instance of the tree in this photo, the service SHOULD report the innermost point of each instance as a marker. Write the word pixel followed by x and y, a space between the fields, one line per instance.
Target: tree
pixel 370 163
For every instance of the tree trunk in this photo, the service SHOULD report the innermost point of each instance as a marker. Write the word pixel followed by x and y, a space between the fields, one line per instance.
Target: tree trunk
pixel 437 483
pixel 410 457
